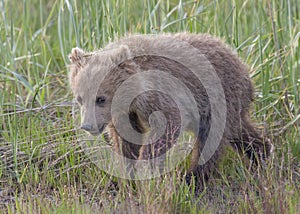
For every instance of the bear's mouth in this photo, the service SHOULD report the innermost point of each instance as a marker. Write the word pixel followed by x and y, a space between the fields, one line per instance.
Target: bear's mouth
pixel 101 128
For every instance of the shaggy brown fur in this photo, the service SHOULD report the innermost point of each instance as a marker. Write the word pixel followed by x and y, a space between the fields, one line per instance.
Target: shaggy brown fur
pixel 114 64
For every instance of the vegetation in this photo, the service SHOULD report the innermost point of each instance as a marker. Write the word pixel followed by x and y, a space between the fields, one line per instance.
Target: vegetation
pixel 44 166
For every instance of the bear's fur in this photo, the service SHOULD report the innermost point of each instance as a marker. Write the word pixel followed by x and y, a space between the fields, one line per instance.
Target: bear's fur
pixel 116 63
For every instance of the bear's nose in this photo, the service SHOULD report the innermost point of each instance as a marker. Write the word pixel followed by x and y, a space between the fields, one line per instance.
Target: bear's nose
pixel 87 127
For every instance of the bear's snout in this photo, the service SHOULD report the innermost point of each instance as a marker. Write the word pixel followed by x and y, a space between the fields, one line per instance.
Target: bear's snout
pixel 87 127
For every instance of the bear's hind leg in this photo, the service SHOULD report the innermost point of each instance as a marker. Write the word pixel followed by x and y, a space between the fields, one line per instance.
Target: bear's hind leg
pixel 257 147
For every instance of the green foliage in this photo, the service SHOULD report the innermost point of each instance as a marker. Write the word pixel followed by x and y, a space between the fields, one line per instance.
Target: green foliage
pixel 44 168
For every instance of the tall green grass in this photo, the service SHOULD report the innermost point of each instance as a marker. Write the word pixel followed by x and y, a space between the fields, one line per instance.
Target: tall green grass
pixel 44 168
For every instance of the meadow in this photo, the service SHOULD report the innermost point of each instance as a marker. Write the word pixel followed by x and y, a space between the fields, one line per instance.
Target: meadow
pixel 45 169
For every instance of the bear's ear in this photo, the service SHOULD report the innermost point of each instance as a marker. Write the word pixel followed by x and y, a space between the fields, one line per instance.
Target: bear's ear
pixel 121 54
pixel 77 59
pixel 76 55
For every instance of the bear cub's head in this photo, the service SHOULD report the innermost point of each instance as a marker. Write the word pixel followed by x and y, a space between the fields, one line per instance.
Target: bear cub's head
pixel 94 77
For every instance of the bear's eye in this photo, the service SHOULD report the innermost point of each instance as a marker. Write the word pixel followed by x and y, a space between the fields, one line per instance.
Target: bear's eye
pixel 100 100
pixel 79 100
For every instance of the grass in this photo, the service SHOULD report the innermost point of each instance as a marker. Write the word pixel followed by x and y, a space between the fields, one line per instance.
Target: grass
pixel 43 166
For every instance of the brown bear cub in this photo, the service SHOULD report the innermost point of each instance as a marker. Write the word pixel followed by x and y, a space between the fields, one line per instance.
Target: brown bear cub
pixel 131 89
